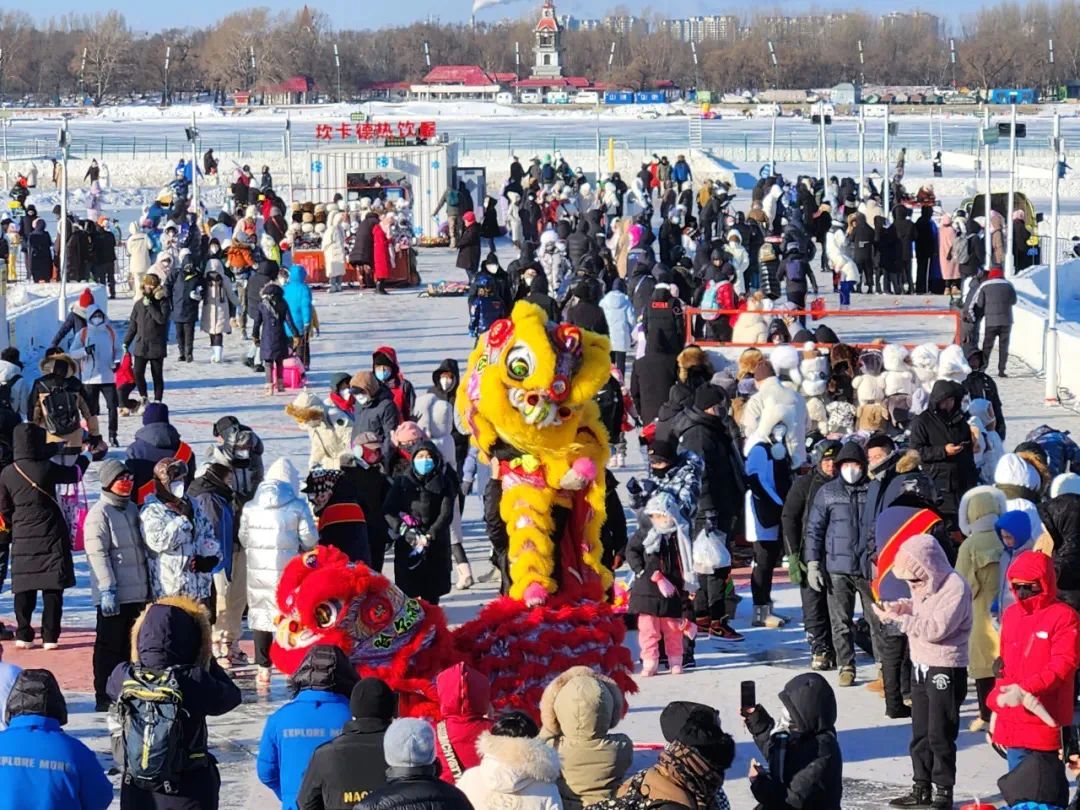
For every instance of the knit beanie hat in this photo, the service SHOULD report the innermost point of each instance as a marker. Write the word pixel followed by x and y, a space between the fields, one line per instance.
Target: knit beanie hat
pixel 110 470
pixel 86 299
pixel 321 481
pixel 371 697
pixel 407 433
pixel 709 396
pixel 409 743
pixel 156 412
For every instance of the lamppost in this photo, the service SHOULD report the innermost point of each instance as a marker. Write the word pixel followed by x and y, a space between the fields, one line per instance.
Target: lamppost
pixel 1057 147
pixel 337 65
pixel 63 140
pixel 165 89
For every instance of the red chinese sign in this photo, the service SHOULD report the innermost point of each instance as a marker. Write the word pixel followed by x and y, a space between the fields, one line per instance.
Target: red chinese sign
pixel 375 130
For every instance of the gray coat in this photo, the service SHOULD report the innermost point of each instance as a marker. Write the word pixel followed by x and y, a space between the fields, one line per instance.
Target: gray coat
pixel 115 550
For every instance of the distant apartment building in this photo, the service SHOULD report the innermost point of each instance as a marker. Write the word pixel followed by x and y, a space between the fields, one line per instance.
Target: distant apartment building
pixel 626 24
pixel 805 25
pixel 570 23
pixel 914 20
pixel 712 28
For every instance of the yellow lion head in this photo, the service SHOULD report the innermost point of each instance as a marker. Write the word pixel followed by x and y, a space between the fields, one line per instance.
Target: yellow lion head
pixel 531 383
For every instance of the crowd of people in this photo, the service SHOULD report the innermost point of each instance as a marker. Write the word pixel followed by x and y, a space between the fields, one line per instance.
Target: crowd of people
pixel 866 471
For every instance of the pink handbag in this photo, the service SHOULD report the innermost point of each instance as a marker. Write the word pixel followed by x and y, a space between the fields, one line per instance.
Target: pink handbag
pixel 74 504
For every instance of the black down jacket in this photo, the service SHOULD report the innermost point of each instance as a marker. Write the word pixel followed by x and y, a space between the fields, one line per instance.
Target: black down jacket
pixel 805 763
pixel 931 431
pixel 415 789
pixel 835 532
pixel 429 502
pixel 148 328
pixel 1061 518
pixel 40 539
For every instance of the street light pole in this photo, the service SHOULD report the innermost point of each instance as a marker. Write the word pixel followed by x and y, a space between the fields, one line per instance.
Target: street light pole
pixel 1051 363
pixel 288 157
pixel 1010 262
pixel 194 167
pixel 337 64
pixel 862 154
pixel 772 142
pixel 64 140
pixel 165 89
pixel 885 177
pixel 987 202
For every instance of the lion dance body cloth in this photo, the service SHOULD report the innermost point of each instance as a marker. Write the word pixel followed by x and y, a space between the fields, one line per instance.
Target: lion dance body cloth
pixel 529 405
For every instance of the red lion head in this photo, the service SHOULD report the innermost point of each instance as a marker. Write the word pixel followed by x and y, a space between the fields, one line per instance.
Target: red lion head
pixel 323 599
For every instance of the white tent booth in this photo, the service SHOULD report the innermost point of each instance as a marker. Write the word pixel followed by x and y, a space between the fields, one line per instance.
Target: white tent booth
pixel 420 173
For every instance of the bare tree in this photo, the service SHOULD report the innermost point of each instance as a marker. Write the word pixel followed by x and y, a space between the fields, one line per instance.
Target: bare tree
pixel 108 47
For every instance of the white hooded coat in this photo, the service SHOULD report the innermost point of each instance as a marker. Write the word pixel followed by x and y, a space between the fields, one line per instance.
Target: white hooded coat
pixel 274 527
pixel 515 773
pixel 98 350
pixel 333 245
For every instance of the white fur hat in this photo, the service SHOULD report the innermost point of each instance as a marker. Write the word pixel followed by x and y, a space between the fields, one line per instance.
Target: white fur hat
pixel 1066 483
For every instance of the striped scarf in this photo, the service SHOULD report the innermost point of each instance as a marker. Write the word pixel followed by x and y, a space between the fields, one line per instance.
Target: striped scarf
pixel 686 767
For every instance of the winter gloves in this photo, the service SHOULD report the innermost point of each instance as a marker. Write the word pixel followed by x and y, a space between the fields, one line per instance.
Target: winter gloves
pixel 815 577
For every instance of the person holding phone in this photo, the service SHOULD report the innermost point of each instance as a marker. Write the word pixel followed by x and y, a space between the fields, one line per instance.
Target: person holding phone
pixel 804 764
pixel 942 436
pixel 937 622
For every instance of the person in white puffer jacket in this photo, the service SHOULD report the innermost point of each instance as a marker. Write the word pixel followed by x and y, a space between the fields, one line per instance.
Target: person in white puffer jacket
pixel 438 418
pixel 99 351
pixel 517 770
pixel 840 261
pixel 275 526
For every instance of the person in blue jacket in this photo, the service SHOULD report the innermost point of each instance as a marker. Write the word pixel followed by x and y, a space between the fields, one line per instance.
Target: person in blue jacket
pixel 485 306
pixel 40 765
pixel 319 709
pixel 298 300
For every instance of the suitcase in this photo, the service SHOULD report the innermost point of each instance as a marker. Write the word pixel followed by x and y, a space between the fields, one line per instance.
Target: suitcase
pixel 294 375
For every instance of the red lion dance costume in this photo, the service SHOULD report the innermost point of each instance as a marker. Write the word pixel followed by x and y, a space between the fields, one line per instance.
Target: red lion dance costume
pixel 529 403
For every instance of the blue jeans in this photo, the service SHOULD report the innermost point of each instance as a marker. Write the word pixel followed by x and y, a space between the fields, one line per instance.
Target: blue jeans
pixel 845 292
pixel 1014 756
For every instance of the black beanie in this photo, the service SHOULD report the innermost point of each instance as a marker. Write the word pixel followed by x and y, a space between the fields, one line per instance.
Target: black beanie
pixel 709 396
pixel 371 697
pixel 663 449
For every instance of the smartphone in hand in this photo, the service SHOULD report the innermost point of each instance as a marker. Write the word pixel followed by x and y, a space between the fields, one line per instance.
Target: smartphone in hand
pixel 747 697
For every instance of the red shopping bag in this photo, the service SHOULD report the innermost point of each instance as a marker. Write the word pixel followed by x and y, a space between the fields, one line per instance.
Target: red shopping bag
pixel 817 307
pixel 125 375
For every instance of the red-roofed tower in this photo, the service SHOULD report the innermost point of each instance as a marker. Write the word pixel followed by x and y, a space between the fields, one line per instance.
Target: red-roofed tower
pixel 548 63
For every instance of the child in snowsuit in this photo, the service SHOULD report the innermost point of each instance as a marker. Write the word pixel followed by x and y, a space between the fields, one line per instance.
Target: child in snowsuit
pixel 661 557
pixel 486 306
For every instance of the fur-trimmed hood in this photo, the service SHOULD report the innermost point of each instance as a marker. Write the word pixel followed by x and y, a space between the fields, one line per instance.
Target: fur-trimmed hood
pixel 581 704
pixel 980 508
pixel 174 631
pixel 48 364
pixel 694 357
pixel 895 357
pixel 307 409
pixel 748 361
pixel 952 365
pixel 510 764
pixel 909 461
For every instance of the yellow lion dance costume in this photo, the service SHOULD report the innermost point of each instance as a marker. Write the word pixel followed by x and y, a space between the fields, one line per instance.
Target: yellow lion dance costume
pixel 529 404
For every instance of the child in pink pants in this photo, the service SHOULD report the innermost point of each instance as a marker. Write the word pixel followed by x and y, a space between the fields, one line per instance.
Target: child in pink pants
pixel 660 555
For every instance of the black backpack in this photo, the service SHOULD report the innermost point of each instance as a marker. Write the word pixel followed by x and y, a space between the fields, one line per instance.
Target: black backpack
pixel 151 714
pixel 61 409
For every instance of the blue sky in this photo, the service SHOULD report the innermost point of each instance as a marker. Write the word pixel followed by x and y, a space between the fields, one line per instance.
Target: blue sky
pixel 148 16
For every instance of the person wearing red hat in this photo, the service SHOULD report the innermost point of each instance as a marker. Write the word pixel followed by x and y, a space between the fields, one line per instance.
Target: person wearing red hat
pixel 994 303
pixel 469 245
pixel 75 322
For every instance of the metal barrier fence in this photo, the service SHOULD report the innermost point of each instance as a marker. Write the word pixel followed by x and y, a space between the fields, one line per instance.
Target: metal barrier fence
pixel 728 143
pixel 20 273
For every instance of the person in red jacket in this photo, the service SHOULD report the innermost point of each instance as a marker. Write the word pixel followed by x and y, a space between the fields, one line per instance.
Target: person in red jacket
pixel 384 364
pixel 382 258
pixel 465 707
pixel 1040 652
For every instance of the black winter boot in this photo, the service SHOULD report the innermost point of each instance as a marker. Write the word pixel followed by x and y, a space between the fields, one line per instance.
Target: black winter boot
pixel 919 797
pixel 942 798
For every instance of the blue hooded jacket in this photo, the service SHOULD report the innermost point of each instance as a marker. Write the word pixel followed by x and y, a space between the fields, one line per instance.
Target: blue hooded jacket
pixel 315 716
pixel 40 765
pixel 298 299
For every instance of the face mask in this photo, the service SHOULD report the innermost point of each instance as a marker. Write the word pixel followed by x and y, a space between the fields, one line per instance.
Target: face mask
pixel 850 473
pixel 363 399
pixel 123 487
pixel 424 466
pixel 177 489
pixel 778 451
pixel 97 320
pixel 1026 590
pixel 446 383
pixel 382 374
pixel 242 454
pixel 345 394
pixel 658 472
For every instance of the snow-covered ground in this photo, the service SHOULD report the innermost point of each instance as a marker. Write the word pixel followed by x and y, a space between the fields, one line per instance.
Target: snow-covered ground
pixel 425 331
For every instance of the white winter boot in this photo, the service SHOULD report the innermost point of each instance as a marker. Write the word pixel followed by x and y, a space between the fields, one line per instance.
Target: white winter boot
pixel 465 577
pixel 216 353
